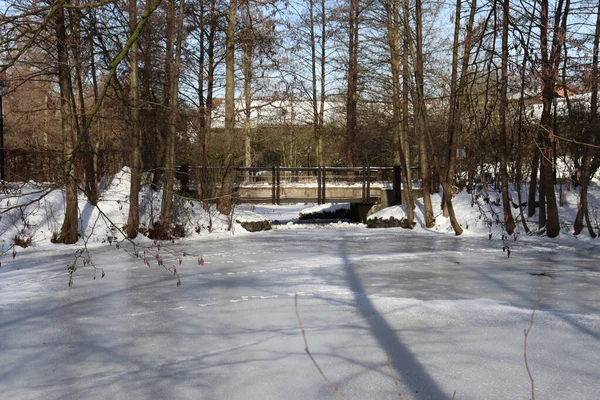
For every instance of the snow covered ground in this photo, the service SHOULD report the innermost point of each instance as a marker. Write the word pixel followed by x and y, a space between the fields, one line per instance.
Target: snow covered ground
pixel 451 311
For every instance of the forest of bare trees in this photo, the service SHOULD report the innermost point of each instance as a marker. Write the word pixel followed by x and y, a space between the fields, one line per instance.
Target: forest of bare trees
pixel 463 90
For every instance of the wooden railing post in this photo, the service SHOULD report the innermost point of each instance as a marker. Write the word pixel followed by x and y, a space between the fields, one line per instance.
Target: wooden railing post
pixel 323 188
pixel 278 185
pixel 319 185
pixel 364 188
pixel 273 182
pixel 368 185
pixel 397 185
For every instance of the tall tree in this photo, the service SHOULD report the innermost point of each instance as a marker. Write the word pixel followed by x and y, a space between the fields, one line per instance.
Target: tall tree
pixel 524 41
pixel 210 77
pixel 453 119
pixel 424 129
pixel 85 154
pixel 205 29
pixel 550 60
pixel 172 63
pixel 457 90
pixel 68 231
pixel 404 137
pixel 352 95
pixel 256 41
pixel 508 218
pixel 420 116
pixel 393 29
pixel 224 200
pixel 320 148
pixel 133 218
pixel 317 131
pixel 592 133
pixel 248 43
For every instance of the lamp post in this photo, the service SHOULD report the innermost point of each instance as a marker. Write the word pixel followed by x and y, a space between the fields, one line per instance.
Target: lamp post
pixel 2 159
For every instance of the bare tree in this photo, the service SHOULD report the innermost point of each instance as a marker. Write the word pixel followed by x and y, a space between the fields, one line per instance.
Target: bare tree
pixel 224 200
pixel 420 115
pixel 457 89
pixel 508 218
pixel 592 132
pixel 550 60
pixel 352 95
pixel 172 63
pixel 68 232
pixel 133 219
pixel 393 29
pixel 426 138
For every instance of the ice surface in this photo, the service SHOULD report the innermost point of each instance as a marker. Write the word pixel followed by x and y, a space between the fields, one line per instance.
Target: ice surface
pixel 450 310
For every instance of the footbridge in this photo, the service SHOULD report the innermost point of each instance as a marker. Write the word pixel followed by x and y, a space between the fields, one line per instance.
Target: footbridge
pixel 284 185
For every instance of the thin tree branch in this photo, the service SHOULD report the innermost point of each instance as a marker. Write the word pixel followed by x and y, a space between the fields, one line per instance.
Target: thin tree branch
pixel 389 359
pixel 526 334
pixel 307 350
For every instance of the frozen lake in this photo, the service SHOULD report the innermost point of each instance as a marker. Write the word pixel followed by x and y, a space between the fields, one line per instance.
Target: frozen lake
pixel 450 310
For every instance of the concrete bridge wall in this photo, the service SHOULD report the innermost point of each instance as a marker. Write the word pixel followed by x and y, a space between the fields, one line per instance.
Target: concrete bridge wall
pixel 308 193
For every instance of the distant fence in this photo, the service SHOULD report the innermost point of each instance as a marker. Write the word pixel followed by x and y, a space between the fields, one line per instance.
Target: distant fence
pixel 46 166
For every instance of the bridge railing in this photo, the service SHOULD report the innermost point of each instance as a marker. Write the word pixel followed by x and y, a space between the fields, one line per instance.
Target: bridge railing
pixel 297 184
pixel 311 174
pixel 322 177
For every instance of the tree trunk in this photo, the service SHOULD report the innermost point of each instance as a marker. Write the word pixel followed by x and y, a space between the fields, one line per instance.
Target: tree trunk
pixel 393 29
pixel 174 38
pixel 533 181
pixel 550 63
pixel 248 70
pixel 393 37
pixel 456 103
pixel 133 218
pixel 313 71
pixel 508 218
pixel 426 138
pixel 352 96
pixel 322 109
pixel 224 200
pixel 405 143
pixel 201 101
pixel 453 103
pixel 521 126
pixel 420 119
pixel 206 105
pixel 86 152
pixel 68 231
pixel 589 150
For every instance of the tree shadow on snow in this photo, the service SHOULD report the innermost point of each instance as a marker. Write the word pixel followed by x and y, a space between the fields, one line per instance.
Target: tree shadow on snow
pixel 408 368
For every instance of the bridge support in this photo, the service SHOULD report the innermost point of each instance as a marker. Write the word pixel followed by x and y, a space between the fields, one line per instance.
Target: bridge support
pixel 319 200
pixel 275 185
pixel 321 177
pixel 360 211
pixel 366 184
